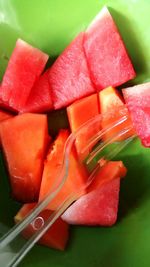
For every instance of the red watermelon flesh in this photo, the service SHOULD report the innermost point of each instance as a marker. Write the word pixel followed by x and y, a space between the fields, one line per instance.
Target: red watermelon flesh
pixel 40 97
pixel 107 58
pixel 4 116
pixel 76 175
pixel 69 75
pixel 24 140
pixel 137 99
pixel 113 109
pixel 99 207
pixel 24 67
pixel 79 113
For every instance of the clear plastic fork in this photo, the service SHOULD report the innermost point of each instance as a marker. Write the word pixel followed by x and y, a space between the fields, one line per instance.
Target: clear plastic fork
pixel 17 253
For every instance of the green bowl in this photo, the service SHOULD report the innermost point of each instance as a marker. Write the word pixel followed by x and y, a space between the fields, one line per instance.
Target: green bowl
pixel 51 25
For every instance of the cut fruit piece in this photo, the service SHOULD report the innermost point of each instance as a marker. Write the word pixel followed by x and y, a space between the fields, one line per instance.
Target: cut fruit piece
pixel 56 236
pixel 52 170
pixel 40 99
pixel 69 75
pixel 4 116
pixel 24 67
pixel 24 141
pixel 100 205
pixel 80 112
pixel 113 108
pixel 108 172
pixel 137 99
pixel 107 58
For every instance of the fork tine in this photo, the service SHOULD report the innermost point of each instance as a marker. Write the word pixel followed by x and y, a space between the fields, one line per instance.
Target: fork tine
pixel 98 136
pixel 120 146
pixel 104 144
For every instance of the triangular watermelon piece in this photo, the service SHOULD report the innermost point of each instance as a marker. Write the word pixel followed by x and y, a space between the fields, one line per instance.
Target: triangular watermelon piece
pixel 40 99
pixel 99 207
pixel 24 67
pixel 69 75
pixel 137 99
pixel 107 58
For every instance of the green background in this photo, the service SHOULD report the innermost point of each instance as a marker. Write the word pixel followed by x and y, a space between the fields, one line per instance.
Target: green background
pixel 51 25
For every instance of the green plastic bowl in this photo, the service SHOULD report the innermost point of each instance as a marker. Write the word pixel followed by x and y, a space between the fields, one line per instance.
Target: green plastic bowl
pixel 51 25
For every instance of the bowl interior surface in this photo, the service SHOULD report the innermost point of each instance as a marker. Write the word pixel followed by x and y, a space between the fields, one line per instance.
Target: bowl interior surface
pixel 51 25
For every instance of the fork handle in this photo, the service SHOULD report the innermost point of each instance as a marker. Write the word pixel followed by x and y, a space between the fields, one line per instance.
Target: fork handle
pixel 13 233
pixel 16 258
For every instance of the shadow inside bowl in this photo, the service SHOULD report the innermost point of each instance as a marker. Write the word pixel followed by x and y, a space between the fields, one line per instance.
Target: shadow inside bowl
pixel 135 188
pixel 8 206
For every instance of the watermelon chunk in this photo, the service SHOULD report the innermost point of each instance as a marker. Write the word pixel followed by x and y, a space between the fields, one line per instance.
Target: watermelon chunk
pixel 100 205
pixel 24 141
pixel 56 236
pixel 107 58
pixel 69 75
pixel 24 67
pixel 113 109
pixel 108 171
pixel 137 99
pixel 4 115
pixel 80 112
pixel 40 99
pixel 52 170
